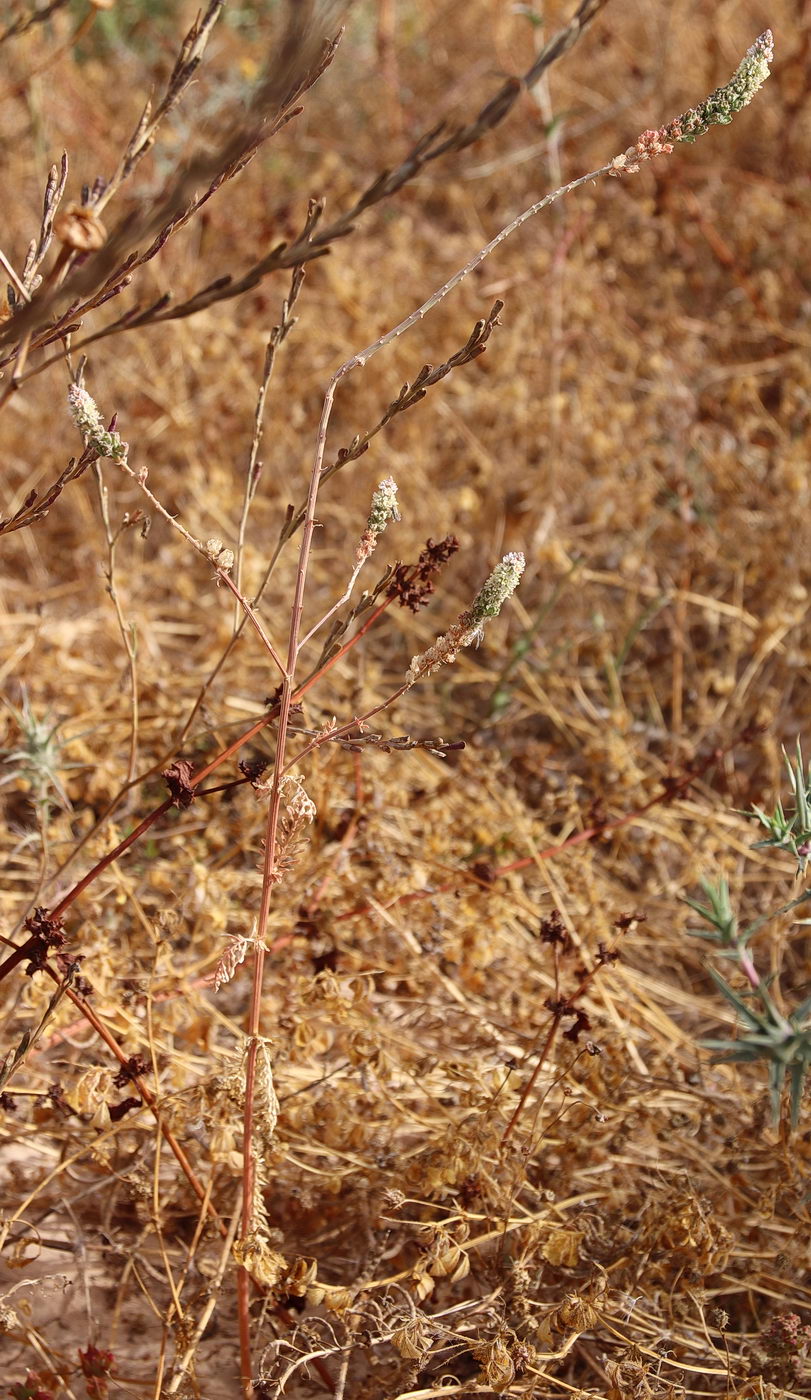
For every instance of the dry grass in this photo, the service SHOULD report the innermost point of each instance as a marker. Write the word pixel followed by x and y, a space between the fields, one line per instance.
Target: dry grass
pixel 459 1197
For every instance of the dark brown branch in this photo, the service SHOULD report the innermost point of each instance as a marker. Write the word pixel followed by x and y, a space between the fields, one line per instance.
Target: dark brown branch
pixel 302 57
pixel 35 16
pixel 176 208
pixel 34 507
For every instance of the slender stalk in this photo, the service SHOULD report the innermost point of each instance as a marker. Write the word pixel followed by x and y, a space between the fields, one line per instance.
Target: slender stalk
pixel 24 950
pixel 253 470
pixel 127 632
pixel 222 572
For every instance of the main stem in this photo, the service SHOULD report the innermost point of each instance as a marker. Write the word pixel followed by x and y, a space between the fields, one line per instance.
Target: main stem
pixel 269 867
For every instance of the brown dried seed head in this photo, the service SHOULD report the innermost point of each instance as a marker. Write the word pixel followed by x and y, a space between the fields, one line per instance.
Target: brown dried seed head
pixel 577 1313
pixel 450 1263
pixel 420 1282
pixel 78 228
pixel 9 1320
pixel 265 1265
pixel 413 1339
pixel 497 1366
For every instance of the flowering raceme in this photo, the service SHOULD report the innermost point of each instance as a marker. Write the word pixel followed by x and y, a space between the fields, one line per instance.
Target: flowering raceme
pixel 469 626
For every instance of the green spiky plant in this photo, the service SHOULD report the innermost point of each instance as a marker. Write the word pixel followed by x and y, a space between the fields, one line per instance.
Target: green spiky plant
pixel 781 1042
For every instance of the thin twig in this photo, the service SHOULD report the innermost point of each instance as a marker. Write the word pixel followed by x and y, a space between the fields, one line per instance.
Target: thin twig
pixel 253 470
pixel 208 551
pixel 128 634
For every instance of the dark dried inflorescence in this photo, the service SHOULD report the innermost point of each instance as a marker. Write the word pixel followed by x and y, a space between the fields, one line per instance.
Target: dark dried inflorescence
pixel 563 1009
pixel 178 780
pixel 47 933
pixel 781 1350
pixel 120 1110
pixel 413 584
pixel 580 1024
pixel 254 767
pixel 552 930
pixel 68 968
pixel 136 1065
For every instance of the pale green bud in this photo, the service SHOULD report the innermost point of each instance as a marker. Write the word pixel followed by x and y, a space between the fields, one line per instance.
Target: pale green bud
pixel 91 425
pixel 722 105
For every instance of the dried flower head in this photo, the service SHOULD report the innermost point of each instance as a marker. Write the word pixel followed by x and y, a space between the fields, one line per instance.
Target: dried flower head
pixel 414 1338
pixel 384 506
pixel 301 1276
pixel 723 104
pixel 218 554
pixel 500 586
pixel 469 626
pixel 265 1265
pixel 497 1366
pixel 781 1350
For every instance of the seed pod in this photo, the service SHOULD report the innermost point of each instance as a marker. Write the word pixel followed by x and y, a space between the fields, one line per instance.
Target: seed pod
pixel 497 1365
pixel 421 1283
pixel 577 1313
pixel 79 229
pixel 413 1339
pixel 301 1276
pixel 265 1265
pixel 451 1263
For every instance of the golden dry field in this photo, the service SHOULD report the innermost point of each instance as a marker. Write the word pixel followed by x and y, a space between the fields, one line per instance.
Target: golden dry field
pixel 354 1020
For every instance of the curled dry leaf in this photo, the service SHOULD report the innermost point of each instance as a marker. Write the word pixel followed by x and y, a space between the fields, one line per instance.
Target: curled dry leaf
pixel 498 1368
pixel 301 1277
pixel 335 1298
pixel 577 1313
